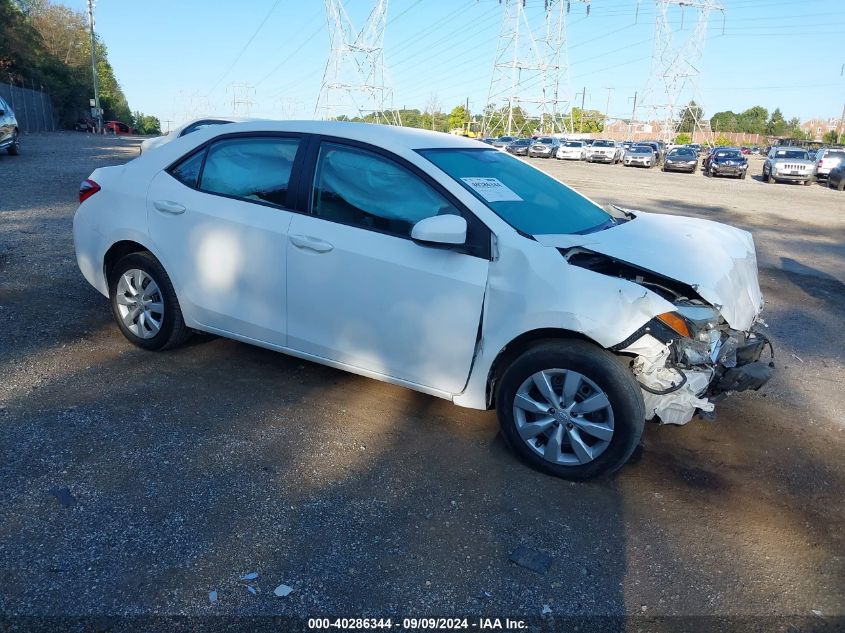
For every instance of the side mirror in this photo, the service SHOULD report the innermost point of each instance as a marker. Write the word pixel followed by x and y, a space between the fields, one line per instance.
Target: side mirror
pixel 440 229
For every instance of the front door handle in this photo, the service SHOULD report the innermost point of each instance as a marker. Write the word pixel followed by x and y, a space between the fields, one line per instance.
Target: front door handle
pixel 311 243
pixel 168 206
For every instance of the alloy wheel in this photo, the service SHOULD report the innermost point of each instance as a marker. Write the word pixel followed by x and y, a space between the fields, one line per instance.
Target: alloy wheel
pixel 563 416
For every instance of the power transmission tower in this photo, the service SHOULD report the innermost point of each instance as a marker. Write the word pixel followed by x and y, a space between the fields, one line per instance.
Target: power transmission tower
pixel 354 82
pixel 98 111
pixel 675 63
pixel 529 86
pixel 242 98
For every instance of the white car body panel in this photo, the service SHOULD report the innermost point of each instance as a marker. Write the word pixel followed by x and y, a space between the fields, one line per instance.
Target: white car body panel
pixel 384 306
pixel 676 246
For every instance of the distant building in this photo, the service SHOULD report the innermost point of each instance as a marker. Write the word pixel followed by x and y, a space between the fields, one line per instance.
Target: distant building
pixel 817 128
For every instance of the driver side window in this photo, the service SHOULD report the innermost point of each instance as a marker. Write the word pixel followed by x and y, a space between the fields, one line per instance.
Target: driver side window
pixel 362 188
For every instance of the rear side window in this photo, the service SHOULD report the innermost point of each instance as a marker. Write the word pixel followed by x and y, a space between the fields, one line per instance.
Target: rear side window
pixel 256 169
pixel 188 171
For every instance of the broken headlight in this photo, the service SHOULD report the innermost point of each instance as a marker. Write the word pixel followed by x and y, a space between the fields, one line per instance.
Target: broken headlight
pixel 700 328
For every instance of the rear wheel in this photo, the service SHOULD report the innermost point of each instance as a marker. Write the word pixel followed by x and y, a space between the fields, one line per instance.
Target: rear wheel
pixel 570 409
pixel 809 182
pixel 144 303
pixel 15 148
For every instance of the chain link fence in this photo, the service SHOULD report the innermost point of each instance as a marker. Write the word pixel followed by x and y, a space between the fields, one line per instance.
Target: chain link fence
pixel 32 107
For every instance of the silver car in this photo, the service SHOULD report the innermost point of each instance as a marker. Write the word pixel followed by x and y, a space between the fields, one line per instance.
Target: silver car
pixel 603 151
pixel 544 147
pixel 639 156
pixel 827 159
pixel 788 164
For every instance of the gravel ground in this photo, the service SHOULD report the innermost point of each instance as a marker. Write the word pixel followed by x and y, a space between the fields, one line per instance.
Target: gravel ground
pixel 135 483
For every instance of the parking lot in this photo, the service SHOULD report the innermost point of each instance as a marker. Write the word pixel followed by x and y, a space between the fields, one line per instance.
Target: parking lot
pixel 135 483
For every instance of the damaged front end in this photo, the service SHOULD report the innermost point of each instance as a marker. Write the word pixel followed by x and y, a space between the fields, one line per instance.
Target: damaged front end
pixel 689 358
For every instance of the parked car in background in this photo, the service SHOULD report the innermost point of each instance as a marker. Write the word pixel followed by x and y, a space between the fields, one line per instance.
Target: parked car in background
pixel 756 151
pixel 681 159
pixel 503 141
pixel 788 164
pixel 489 140
pixel 544 147
pixel 118 128
pixel 696 147
pixel 745 150
pixel 519 147
pixel 727 162
pixel 827 159
pixel 639 156
pixel 604 151
pixel 658 149
pixel 189 128
pixel 369 248
pixel 572 150
pixel 626 145
pixel 836 177
pixel 10 139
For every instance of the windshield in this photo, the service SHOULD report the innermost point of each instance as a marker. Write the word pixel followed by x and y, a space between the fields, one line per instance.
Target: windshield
pixel 603 144
pixel 506 138
pixel 795 154
pixel 574 144
pixel 522 141
pixel 524 197
pixel 640 149
pixel 545 139
pixel 682 152
pixel 728 154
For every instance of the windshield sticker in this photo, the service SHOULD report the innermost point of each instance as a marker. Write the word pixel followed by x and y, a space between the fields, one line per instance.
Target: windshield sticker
pixel 492 189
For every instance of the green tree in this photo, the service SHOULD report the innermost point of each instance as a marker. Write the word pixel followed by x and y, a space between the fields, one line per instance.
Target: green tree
pixel 146 124
pixel 591 121
pixel 726 121
pixel 683 139
pixel 458 118
pixel 690 117
pixel 753 120
pixel 830 137
pixel 722 141
pixel 776 125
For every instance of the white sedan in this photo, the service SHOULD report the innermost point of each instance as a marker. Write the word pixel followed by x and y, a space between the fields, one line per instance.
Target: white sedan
pixel 433 262
pixel 572 150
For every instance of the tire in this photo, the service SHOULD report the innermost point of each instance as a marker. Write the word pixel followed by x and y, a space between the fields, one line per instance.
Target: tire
pixel 15 148
pixel 162 311
pixel 618 422
pixel 742 175
pixel 841 185
pixel 809 182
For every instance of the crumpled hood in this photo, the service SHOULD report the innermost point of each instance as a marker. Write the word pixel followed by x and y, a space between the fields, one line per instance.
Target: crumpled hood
pixel 717 260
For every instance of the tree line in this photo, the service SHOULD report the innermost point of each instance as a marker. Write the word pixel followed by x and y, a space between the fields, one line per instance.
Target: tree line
pixel 48 46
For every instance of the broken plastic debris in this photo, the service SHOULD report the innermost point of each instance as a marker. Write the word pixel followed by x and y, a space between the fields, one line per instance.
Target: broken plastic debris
pixel 531 559
pixel 546 610
pixel 212 596
pixel 817 613
pixel 250 576
pixel 282 591
pixel 251 589
pixel 63 496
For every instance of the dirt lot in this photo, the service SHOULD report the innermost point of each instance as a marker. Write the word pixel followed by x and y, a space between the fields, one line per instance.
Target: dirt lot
pixel 135 483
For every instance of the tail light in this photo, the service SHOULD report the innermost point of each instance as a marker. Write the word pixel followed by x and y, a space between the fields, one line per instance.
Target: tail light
pixel 87 188
pixel 821 162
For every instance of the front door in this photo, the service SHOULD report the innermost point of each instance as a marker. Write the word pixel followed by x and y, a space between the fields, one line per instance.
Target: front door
pixel 362 293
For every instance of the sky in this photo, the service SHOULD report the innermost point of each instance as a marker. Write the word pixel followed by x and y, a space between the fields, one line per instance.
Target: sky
pixel 175 59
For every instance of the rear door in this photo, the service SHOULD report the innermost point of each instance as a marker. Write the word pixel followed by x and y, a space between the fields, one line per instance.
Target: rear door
pixel 220 219
pixel 362 293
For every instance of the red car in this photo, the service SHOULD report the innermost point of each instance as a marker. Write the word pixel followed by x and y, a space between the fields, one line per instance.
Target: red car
pixel 745 150
pixel 117 128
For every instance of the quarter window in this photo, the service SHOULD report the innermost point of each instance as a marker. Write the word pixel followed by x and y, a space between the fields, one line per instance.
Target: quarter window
pixel 256 169
pixel 188 171
pixel 362 188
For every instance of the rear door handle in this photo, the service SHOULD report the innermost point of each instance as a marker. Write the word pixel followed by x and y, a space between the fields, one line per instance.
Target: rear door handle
pixel 310 243
pixel 168 206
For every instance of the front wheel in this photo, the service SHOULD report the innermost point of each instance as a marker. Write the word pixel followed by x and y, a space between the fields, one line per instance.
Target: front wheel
pixel 742 175
pixel 808 182
pixel 144 303
pixel 570 409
